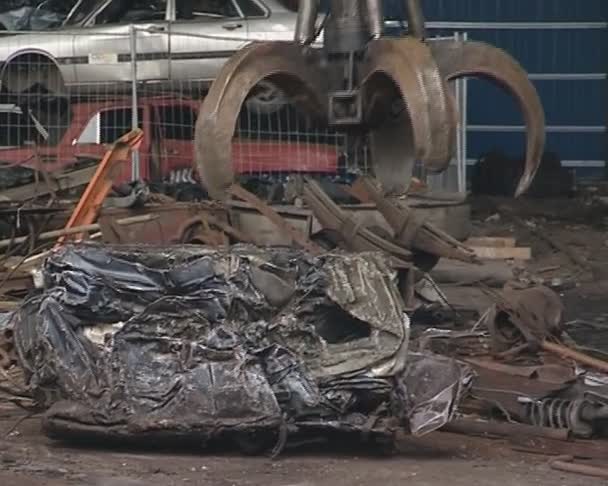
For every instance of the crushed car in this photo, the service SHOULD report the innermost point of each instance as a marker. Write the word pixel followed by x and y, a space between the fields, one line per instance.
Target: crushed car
pixel 247 344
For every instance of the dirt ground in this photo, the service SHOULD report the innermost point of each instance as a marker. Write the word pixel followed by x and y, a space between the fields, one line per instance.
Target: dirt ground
pixel 28 458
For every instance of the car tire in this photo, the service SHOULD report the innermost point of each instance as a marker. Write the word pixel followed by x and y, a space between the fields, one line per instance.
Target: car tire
pixel 266 99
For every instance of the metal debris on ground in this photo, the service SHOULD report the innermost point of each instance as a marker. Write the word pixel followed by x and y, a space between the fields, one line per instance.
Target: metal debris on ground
pixel 530 375
pixel 318 342
pixel 8 356
pixel 412 231
pixel 567 464
pixel 292 233
pixel 347 231
pixel 354 331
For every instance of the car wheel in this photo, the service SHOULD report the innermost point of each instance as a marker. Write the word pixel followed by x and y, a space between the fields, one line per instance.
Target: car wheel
pixel 266 99
pixel 33 74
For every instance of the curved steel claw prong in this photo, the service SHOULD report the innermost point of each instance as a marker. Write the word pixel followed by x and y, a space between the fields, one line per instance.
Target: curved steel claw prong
pixel 425 127
pixel 458 59
pixel 291 67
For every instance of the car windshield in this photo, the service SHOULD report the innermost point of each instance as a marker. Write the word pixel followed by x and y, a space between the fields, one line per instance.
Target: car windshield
pixel 82 10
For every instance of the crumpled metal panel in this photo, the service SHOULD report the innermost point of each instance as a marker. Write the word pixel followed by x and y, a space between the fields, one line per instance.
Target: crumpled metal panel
pixel 432 385
pixel 188 342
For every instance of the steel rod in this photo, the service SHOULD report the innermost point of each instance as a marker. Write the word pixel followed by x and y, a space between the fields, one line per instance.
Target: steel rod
pixel 416 23
pixel 305 24
pixel 375 18
pixel 135 175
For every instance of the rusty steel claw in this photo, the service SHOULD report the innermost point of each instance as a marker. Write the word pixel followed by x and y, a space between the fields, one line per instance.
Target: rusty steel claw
pixel 291 67
pixel 394 89
pixel 458 59
pixel 425 129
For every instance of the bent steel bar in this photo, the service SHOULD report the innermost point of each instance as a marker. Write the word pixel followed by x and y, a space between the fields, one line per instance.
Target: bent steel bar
pixel 458 59
pixel 99 187
pixel 296 73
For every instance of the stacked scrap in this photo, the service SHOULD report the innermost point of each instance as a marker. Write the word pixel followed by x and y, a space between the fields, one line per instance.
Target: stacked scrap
pixel 527 369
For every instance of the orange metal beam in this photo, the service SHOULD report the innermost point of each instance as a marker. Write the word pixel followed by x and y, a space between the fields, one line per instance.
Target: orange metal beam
pixel 109 168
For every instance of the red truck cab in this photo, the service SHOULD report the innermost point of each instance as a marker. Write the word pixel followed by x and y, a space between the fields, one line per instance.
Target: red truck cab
pixel 167 149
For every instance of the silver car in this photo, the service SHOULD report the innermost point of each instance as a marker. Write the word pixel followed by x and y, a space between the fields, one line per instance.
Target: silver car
pixel 175 41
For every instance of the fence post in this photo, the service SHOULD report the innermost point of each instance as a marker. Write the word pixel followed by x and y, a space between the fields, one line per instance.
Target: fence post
pixel 135 173
pixel 462 186
pixel 458 88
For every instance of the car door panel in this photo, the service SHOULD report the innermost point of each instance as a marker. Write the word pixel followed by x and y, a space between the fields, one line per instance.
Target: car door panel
pixel 103 47
pixel 204 39
pixel 57 47
pixel 277 26
pixel 104 54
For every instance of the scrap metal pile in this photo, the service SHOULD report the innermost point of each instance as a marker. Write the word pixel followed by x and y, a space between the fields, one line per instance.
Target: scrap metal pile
pixel 187 342
pixel 528 370
pixel 314 318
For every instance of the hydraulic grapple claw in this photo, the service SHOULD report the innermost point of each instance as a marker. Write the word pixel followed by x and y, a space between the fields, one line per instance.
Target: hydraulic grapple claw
pixel 395 89
pixel 457 59
pixel 404 69
pixel 290 68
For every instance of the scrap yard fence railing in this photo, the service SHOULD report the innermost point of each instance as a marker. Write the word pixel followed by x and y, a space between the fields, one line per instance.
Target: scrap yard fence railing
pixel 57 109
pixel 566 61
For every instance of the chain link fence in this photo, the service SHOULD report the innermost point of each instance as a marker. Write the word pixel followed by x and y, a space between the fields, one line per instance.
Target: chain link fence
pixel 63 111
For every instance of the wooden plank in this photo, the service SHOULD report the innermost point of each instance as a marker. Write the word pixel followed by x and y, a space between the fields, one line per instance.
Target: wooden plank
pixel 493 253
pixel 16 282
pixel 59 182
pixel 490 273
pixel 49 235
pixel 495 242
pixel 9 305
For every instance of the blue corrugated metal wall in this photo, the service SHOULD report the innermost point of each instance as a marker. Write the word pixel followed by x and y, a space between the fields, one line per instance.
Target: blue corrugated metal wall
pixel 576 109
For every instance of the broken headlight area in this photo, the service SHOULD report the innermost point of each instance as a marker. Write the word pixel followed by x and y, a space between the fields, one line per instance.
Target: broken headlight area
pixel 243 343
